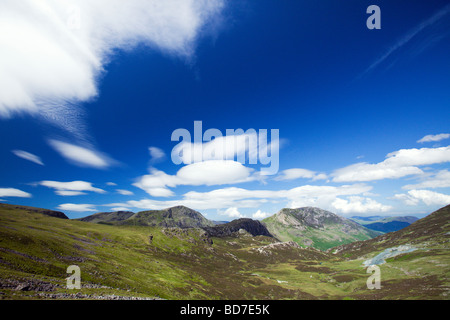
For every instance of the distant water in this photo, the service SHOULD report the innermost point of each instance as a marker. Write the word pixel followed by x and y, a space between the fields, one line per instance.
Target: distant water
pixel 388 253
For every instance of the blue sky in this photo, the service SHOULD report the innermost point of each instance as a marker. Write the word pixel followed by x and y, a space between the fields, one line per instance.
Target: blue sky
pixel 89 103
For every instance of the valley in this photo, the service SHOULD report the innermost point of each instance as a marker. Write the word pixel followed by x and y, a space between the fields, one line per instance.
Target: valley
pixel 149 260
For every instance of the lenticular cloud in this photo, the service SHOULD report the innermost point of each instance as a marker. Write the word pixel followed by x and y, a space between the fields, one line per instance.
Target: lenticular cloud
pixel 52 51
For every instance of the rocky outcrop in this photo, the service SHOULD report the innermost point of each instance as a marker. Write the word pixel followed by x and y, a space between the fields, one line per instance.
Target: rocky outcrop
pixel 253 227
pixel 268 249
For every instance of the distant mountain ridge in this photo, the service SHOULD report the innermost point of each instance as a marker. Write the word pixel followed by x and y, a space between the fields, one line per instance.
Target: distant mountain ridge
pixel 178 216
pixel 108 217
pixel 315 227
pixel 385 224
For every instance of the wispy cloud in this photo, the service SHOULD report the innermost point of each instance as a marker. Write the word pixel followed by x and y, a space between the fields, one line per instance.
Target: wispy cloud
pixel 77 207
pixel 398 164
pixel 72 188
pixel 54 52
pixel 438 16
pixel 434 137
pixel 297 173
pixel 28 156
pixel 82 156
pixel 156 154
pixel 124 192
pixel 13 192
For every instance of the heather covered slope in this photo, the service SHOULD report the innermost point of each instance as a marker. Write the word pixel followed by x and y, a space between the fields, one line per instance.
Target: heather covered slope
pixel 131 262
pixel 433 231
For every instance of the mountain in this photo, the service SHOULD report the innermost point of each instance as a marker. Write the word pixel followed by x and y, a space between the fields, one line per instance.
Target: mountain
pixel 253 227
pixel 179 216
pixel 431 231
pixel 385 224
pixel 108 217
pixel 314 227
pixel 14 209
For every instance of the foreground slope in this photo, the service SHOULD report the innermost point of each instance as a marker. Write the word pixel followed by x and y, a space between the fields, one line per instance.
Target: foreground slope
pixel 127 261
pixel 414 261
pixel 142 262
pixel 315 227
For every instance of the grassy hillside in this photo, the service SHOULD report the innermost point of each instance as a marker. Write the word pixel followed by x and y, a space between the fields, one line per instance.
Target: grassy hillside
pixel 172 263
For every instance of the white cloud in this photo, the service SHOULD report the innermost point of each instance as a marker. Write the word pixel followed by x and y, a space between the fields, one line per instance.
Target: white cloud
pixel 441 179
pixel 72 188
pixel 12 192
pixel 156 154
pixel 296 173
pixel 82 156
pixel 434 138
pixel 69 193
pixel 212 172
pixel 111 184
pixel 232 213
pixel 54 51
pixel 397 164
pixel 414 197
pixel 120 209
pixel 406 199
pixel 124 192
pixel 360 205
pixel 76 207
pixel 227 147
pixel 28 156
pixel 260 215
